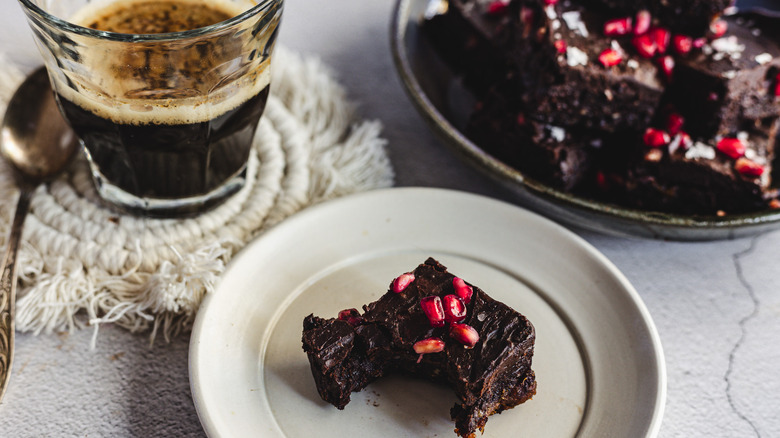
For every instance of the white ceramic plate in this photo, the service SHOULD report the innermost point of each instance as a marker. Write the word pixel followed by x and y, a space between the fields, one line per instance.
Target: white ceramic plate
pixel 598 357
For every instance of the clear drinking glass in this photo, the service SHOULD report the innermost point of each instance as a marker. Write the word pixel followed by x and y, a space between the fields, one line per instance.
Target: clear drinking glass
pixel 165 95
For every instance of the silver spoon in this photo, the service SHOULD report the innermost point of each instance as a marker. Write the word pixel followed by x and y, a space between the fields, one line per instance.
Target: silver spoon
pixel 38 144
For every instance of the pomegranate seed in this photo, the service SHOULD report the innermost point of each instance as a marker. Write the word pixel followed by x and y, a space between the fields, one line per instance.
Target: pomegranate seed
pixel 718 28
pixel 402 282
pixel 454 309
pixel 498 7
pixel 698 43
pixel 465 334
pixel 748 168
pixel 661 37
pixel 645 45
pixel 655 138
pixel 462 290
pixel 521 119
pixel 618 26
pixel 434 310
pixel 560 45
pixel 643 19
pixel 777 85
pixel 674 123
pixel 774 204
pixel 682 44
pixel 550 2
pixel 428 345
pixel 733 147
pixel 610 57
pixel 601 181
pixel 667 66
pixel 351 316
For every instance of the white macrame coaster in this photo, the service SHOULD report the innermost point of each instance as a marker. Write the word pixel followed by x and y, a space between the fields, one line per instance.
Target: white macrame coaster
pixel 81 263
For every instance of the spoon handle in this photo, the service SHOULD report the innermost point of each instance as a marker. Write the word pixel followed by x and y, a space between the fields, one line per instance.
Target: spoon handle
pixel 8 289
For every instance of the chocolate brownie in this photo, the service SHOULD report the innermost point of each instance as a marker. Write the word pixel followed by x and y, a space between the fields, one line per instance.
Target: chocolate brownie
pixel 730 81
pixel 554 155
pixel 464 34
pixel 677 174
pixel 691 17
pixel 572 74
pixel 434 325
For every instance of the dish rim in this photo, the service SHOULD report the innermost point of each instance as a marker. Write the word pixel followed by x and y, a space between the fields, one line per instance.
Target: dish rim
pixel 566 236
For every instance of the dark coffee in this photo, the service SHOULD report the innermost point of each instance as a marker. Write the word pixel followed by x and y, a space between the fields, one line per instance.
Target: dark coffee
pixel 173 121
pixel 154 160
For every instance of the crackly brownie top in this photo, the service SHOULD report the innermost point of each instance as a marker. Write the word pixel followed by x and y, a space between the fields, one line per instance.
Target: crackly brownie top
pixel 396 333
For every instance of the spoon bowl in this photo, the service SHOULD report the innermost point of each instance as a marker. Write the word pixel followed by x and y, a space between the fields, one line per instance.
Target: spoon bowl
pixel 38 144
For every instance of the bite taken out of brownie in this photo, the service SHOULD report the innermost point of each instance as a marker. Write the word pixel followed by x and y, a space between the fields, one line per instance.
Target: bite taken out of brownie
pixel 434 325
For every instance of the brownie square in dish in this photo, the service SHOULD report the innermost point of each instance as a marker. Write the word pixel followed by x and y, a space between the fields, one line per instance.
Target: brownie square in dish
pixel 434 325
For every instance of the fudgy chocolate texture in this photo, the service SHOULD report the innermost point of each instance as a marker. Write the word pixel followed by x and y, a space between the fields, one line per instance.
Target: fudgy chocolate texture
pixel 555 50
pixel 492 376
pixel 464 34
pixel 691 17
pixel 554 155
pixel 699 178
pixel 730 83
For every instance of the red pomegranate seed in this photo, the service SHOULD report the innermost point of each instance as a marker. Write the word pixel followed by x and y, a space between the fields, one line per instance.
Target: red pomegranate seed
pixel 777 85
pixel 718 28
pixel 661 37
pixel 462 290
pixel 454 309
pixel 667 66
pixel 428 345
pixel 550 2
pixel 674 123
pixel 402 282
pixel 682 44
pixel 434 310
pixel 610 57
pixel 645 45
pixel 655 138
pixel 698 43
pixel 685 140
pixel 498 7
pixel 618 26
pixel 643 19
pixel 465 334
pixel 560 45
pixel 601 181
pixel 748 168
pixel 351 316
pixel 521 119
pixel 774 204
pixel 733 147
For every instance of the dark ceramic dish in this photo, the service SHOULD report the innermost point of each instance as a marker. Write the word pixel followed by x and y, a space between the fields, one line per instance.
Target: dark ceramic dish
pixel 444 103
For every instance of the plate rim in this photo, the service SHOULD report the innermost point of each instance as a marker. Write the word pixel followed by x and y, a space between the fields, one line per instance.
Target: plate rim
pixel 548 200
pixel 195 372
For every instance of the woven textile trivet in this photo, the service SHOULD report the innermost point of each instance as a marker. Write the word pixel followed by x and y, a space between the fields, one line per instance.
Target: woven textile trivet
pixel 84 264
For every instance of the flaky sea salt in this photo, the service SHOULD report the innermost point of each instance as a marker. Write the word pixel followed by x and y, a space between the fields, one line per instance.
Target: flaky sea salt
pixel 575 56
pixel 700 150
pixel 574 21
pixel 763 58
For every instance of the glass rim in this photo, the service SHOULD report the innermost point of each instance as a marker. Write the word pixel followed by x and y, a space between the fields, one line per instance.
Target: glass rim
pixel 61 23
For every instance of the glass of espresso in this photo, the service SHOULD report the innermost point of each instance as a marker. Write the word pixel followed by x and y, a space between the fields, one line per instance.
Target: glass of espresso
pixel 165 95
